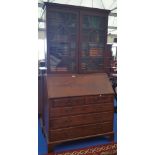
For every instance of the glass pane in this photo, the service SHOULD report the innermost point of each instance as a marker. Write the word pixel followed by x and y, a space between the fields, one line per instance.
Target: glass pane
pixel 92 43
pixel 62 41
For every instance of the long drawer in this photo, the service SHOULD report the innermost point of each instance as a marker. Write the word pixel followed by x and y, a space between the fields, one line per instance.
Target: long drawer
pixel 75 101
pixel 75 110
pixel 81 131
pixel 99 99
pixel 71 101
pixel 77 120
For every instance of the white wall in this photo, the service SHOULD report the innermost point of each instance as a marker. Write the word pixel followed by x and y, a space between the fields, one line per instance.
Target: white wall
pixel 111 38
pixel 40 35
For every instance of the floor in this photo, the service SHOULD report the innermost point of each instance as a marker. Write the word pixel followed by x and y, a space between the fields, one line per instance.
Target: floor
pixel 42 146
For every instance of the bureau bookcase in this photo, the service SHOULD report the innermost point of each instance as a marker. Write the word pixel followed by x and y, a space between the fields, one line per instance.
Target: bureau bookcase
pixel 78 96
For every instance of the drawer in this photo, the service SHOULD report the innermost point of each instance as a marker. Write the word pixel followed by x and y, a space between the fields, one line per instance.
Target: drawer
pixel 81 131
pixel 75 110
pixel 78 101
pixel 77 120
pixel 62 102
pixel 99 99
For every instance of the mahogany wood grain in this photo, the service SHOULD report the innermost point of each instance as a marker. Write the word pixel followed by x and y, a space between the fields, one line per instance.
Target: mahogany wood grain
pixel 78 85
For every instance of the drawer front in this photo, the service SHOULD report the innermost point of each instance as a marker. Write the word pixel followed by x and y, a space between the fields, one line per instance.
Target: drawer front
pixel 62 102
pixel 82 131
pixel 78 101
pixel 99 99
pixel 75 110
pixel 64 122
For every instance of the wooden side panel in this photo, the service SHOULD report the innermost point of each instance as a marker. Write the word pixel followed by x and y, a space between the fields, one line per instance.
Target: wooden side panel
pixel 46 109
pixel 39 96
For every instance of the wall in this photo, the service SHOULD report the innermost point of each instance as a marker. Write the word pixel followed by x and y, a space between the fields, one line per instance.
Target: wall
pixel 111 38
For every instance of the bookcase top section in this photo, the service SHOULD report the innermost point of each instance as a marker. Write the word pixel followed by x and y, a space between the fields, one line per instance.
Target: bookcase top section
pixel 69 85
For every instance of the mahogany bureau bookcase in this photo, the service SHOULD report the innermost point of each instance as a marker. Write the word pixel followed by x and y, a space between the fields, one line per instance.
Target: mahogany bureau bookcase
pixel 78 96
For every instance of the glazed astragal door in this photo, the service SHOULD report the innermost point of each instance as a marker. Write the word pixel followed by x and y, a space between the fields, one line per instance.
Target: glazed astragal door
pixel 92 42
pixel 62 41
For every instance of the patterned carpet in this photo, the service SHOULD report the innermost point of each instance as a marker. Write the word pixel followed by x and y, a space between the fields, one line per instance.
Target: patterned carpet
pixel 108 149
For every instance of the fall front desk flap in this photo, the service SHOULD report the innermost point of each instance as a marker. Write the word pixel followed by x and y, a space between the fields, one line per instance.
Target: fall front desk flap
pixel 69 85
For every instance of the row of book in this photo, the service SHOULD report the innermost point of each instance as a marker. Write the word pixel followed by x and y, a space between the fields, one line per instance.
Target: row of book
pixel 63 53
pixel 63 42
pixel 93 52
pixel 62 16
pixel 59 69
pixel 95 45
pixel 63 69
